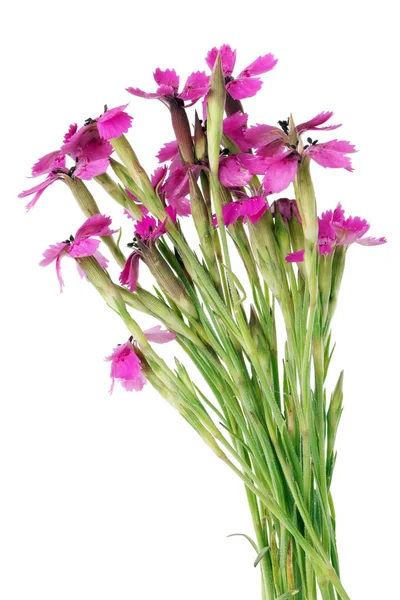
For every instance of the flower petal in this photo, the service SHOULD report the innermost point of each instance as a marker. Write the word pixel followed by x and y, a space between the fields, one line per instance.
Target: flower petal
pixel 168 152
pixel 332 154
pixel 262 64
pixel 244 88
pixel 158 335
pixel 280 174
pixel 83 247
pixel 295 256
pixel 196 86
pixel 114 122
pixel 49 162
pixel 130 273
pixel 167 77
pixel 95 225
pixel 313 124
pixel 228 59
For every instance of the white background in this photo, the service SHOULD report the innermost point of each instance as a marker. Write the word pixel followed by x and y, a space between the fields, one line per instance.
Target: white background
pixel 106 497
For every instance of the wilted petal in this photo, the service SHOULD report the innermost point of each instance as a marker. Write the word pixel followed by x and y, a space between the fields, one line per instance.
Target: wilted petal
pixel 158 335
pixel 228 59
pixel 38 190
pixel 55 253
pixel 295 256
pixel 102 260
pixel 114 122
pixel 130 273
pixel 313 124
pixel 262 64
pixel 371 241
pixel 196 86
pixel 52 253
pixel 280 174
pixel 244 88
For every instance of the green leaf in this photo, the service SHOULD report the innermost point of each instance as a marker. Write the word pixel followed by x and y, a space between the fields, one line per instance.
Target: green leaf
pixel 261 555
pixel 248 538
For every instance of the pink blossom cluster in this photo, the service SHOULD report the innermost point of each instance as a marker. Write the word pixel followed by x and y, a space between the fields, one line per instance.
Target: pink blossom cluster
pixel 248 153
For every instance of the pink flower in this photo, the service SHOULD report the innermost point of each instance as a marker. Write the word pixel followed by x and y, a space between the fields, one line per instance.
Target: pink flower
pixel 252 208
pixel 146 231
pixel 88 147
pixel 246 84
pixel 79 245
pixel 282 157
pixel 113 123
pixel 237 170
pixel 167 81
pixel 52 164
pixel 234 126
pixel 125 363
pixel 335 230
pixel 126 367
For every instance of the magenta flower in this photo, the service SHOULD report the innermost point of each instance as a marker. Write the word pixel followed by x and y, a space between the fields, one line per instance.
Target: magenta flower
pixel 237 170
pixel 282 157
pixel 196 86
pixel 246 84
pixel 335 230
pixel 89 148
pixel 126 367
pixel 80 245
pixel 125 363
pixel 146 231
pixel 234 126
pixel 250 208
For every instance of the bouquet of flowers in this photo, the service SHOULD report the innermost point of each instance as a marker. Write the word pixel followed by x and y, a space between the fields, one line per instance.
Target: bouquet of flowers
pixel 234 272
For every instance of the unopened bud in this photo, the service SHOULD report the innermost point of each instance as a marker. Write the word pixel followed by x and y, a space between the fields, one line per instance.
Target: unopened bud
pixel 305 197
pixel 166 278
pixel 200 139
pixel 215 113
pixel 181 126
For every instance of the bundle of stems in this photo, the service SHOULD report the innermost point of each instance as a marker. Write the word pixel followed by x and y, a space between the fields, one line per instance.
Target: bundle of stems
pixel 270 419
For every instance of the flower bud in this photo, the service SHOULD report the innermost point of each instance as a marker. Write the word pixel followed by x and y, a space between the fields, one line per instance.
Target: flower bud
pixel 338 262
pixel 168 281
pixel 215 113
pixel 82 195
pixel 333 417
pixel 305 197
pixel 200 140
pixel 267 254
